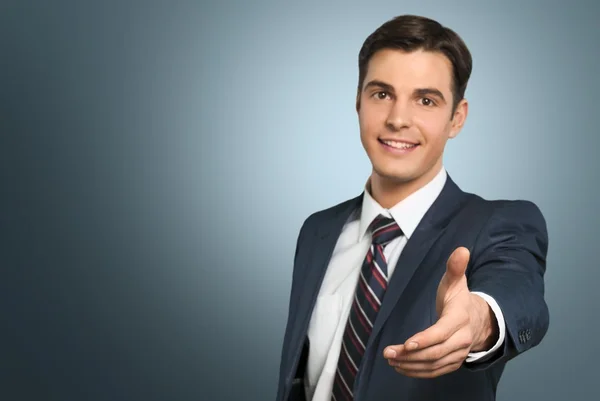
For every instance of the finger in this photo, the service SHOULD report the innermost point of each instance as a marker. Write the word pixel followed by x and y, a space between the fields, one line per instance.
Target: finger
pixel 456 267
pixel 429 374
pixel 432 362
pixel 429 354
pixel 441 331
pixel 393 351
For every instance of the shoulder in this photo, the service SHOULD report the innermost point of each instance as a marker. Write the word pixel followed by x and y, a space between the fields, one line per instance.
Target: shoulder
pixel 511 212
pixel 322 216
pixel 511 224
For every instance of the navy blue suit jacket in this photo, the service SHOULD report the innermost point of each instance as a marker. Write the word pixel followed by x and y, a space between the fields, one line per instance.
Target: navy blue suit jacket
pixel 508 242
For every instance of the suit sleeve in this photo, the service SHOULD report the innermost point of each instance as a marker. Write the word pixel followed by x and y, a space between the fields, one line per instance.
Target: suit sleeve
pixel 508 262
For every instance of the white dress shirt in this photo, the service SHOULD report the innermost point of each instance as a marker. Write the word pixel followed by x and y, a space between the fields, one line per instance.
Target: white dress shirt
pixel 334 300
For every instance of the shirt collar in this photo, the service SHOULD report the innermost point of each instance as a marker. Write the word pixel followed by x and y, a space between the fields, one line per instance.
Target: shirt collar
pixel 408 212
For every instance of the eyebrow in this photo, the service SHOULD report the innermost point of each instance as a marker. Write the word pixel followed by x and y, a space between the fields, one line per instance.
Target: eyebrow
pixel 379 84
pixel 418 92
pixel 430 91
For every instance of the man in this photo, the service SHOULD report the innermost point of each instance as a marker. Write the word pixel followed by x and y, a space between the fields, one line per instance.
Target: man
pixel 413 290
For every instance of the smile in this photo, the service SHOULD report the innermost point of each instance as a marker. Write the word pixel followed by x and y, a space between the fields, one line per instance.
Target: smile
pixel 398 145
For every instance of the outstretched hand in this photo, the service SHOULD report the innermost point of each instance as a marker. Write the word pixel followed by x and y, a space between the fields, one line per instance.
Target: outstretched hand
pixel 466 324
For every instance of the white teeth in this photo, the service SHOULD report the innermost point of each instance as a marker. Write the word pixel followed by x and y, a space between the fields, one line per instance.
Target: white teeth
pixel 399 145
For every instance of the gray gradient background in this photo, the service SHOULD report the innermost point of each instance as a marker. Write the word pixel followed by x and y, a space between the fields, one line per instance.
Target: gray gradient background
pixel 158 160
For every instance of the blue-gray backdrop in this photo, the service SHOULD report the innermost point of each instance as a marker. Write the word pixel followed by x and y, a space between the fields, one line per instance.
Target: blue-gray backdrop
pixel 157 161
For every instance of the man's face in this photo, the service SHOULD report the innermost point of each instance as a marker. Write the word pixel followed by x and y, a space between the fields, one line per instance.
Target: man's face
pixel 405 114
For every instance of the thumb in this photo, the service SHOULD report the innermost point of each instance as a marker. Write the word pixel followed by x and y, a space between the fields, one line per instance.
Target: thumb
pixel 456 267
pixel 454 279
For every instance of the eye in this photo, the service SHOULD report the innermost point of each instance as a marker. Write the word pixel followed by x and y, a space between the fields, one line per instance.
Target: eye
pixel 427 102
pixel 382 95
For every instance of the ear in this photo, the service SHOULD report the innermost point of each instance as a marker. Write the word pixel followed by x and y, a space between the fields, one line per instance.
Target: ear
pixel 459 118
pixel 357 100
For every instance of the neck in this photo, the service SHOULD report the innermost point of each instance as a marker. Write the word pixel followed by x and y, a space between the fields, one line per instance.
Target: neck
pixel 389 192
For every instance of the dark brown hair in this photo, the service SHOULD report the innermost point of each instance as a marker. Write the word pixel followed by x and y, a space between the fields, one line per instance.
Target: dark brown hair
pixel 410 33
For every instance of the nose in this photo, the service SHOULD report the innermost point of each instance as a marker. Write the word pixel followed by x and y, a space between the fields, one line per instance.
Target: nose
pixel 398 117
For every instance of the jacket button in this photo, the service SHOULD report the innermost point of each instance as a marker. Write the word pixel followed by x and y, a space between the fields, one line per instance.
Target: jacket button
pixel 523 336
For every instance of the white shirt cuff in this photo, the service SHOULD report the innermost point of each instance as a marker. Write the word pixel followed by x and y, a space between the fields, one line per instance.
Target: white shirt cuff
pixel 475 356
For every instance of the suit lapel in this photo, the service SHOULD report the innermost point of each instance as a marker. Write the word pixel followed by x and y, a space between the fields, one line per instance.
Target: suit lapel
pixel 428 231
pixel 321 250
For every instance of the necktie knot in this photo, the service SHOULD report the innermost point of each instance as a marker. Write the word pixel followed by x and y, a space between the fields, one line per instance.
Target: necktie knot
pixel 384 230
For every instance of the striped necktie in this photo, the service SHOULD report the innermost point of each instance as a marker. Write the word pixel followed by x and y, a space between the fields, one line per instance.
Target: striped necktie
pixel 372 283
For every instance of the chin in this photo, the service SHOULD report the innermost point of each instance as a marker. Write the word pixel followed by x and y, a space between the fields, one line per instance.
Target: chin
pixel 400 177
